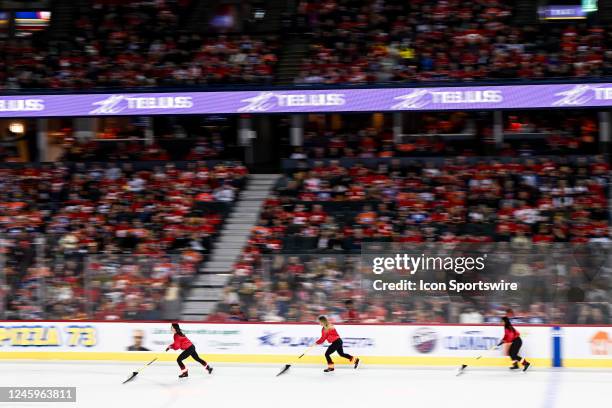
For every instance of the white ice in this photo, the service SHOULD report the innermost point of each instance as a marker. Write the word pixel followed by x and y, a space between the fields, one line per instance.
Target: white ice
pixel 99 385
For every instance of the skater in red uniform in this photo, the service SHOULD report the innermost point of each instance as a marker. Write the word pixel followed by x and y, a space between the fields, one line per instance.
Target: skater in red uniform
pixel 329 333
pixel 181 342
pixel 513 338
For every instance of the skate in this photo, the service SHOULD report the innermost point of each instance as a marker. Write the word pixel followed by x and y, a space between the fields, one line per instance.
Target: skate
pixel 514 367
pixel 356 363
pixel 184 374
pixel 526 365
pixel 209 369
pixel 328 370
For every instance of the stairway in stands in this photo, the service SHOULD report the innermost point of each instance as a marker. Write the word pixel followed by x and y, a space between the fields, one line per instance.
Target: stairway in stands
pixel 291 59
pixel 64 14
pixel 605 11
pixel 526 12
pixel 207 288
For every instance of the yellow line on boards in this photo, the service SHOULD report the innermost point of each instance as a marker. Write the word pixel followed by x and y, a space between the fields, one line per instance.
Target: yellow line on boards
pixel 587 363
pixel 270 359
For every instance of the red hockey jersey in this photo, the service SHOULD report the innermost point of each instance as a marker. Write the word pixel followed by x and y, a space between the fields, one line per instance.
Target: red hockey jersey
pixel 510 335
pixel 330 335
pixel 180 342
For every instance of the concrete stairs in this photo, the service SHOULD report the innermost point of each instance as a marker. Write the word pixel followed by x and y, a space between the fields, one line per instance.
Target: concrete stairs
pixel 63 17
pixel 605 11
pixel 525 12
pixel 207 287
pixel 271 23
pixel 291 59
pixel 200 12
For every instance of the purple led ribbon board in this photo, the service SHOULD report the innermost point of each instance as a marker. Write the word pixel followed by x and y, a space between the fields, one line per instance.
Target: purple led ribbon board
pixel 304 101
pixel 561 12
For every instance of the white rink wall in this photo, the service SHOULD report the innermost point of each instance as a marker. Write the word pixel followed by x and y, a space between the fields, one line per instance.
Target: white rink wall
pixel 586 346
pixel 421 345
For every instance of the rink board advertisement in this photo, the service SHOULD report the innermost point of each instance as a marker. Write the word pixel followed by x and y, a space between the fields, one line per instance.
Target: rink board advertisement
pixel 587 346
pixel 482 97
pixel 269 343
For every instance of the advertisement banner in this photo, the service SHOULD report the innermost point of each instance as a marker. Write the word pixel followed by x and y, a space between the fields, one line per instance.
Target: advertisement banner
pixel 485 97
pixel 43 337
pixel 267 343
pixel 561 12
pixel 111 337
pixel 588 346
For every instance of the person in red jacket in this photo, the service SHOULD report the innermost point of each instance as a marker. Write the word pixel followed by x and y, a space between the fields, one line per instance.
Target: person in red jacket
pixel 513 338
pixel 181 342
pixel 329 333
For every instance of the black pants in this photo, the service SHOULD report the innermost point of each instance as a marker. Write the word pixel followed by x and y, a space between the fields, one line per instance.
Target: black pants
pixel 336 346
pixel 515 346
pixel 190 351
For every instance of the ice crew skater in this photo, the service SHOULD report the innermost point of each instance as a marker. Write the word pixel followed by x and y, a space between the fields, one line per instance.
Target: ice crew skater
pixel 329 333
pixel 513 338
pixel 181 342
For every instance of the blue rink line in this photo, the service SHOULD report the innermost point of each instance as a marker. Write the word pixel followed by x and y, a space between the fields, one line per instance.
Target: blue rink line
pixel 554 380
pixel 553 386
pixel 557 361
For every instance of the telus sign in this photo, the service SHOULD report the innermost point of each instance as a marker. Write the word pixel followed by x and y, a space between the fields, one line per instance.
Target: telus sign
pixel 22 105
pixel 115 104
pixel 304 101
pixel 268 101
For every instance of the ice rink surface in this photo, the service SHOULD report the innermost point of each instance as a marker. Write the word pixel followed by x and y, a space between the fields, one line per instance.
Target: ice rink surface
pixel 99 385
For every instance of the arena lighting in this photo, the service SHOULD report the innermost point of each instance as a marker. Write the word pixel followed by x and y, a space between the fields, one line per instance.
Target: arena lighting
pixel 589 6
pixel 17 127
pixel 259 14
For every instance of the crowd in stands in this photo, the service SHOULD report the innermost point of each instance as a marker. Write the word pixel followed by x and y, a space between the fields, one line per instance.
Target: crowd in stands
pixel 356 41
pixel 300 288
pixel 153 43
pixel 122 241
pixel 135 44
pixel 110 241
pixel 331 210
pixel 539 198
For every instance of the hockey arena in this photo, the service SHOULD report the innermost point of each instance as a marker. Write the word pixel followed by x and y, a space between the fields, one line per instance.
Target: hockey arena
pixel 343 203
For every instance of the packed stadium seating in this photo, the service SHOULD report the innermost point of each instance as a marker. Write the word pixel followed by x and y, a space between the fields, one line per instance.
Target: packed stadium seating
pixel 301 287
pixel 372 41
pixel 103 239
pixel 111 44
pixel 121 225
pixel 297 264
pixel 135 44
